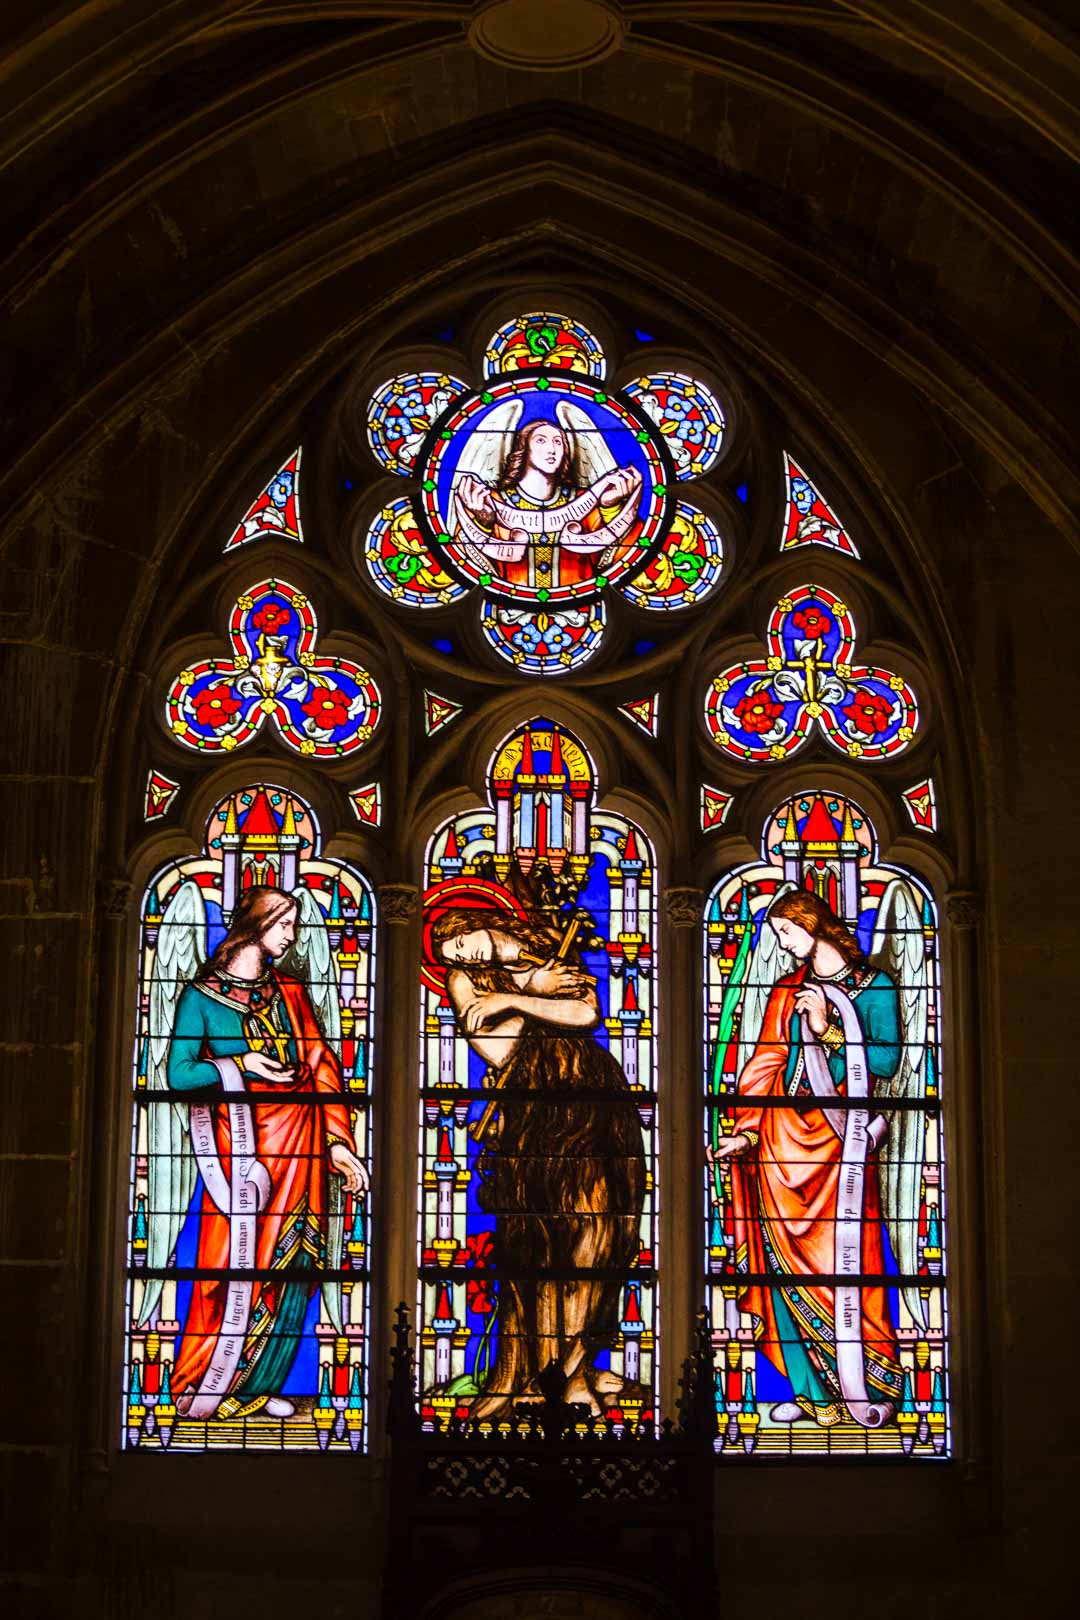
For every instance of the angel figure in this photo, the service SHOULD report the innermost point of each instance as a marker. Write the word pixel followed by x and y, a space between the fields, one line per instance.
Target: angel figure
pixel 815 1188
pixel 544 505
pixel 242 1048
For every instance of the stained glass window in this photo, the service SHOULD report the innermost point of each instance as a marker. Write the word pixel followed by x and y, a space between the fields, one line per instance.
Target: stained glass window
pixel 538 1116
pixel 560 342
pixel 544 489
pixel 275 511
pixel 570 510
pixel 687 414
pixel 765 708
pixel 248 1223
pixel 320 706
pixel 825 1195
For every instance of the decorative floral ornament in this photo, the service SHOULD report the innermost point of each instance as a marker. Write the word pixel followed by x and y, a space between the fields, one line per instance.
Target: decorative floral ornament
pixel 161 790
pixel 543 643
pixel 687 414
pixel 764 709
pixel 400 563
pixel 276 511
pixel 809 520
pixel 687 568
pixel 544 339
pixel 324 707
pixel 920 802
pixel 401 412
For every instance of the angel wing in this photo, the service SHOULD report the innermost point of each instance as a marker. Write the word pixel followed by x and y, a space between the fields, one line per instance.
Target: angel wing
pixel 314 962
pixel 898 950
pixel 488 446
pixel 769 963
pixel 594 459
pixel 171 1173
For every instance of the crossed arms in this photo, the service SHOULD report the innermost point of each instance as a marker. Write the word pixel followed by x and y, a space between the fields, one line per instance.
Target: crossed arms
pixel 556 993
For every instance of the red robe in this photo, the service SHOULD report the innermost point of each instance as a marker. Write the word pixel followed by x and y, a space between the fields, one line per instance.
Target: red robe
pixel 293 1143
pixel 786 1189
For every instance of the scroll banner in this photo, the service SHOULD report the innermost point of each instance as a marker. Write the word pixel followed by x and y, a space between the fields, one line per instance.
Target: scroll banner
pixel 561 522
pixel 239 1197
pixel 859 1135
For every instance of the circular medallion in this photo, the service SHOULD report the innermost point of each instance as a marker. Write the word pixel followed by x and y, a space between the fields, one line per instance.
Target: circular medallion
pixel 545 488
pixel 546 35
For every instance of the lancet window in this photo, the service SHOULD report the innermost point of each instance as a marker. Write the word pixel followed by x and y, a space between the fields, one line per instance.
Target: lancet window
pixel 248 1232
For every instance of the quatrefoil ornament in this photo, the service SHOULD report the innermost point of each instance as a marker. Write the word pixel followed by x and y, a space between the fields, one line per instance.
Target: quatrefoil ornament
pixel 322 707
pixel 765 709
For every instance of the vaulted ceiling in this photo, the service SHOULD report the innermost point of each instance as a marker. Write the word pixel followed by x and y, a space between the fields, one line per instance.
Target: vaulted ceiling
pixel 895 172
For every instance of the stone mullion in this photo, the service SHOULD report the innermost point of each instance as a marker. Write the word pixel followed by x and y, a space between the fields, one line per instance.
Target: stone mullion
pixel 679 1113
pixel 394 1235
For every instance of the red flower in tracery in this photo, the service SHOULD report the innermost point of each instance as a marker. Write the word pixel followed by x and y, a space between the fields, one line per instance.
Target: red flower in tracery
pixel 270 617
pixel 480 1248
pixel 328 706
pixel 215 705
pixel 758 712
pixel 812 622
pixel 869 712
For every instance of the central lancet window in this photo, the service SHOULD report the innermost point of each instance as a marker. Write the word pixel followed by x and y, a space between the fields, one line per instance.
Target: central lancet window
pixel 539 1095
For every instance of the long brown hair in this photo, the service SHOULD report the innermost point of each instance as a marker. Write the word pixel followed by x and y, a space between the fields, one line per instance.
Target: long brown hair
pixel 820 920
pixel 538 940
pixel 519 454
pixel 257 909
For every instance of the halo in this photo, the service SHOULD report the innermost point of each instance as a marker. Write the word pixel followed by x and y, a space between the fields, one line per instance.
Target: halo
pixel 471 894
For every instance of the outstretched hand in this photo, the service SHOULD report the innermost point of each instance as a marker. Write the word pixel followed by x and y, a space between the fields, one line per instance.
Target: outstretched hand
pixel 347 1165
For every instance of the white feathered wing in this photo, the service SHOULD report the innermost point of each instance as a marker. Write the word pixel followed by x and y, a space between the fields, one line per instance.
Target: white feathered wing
pixel 898 950
pixel 171 1170
pixel 484 457
pixel 313 961
pixel 594 459
pixel 768 963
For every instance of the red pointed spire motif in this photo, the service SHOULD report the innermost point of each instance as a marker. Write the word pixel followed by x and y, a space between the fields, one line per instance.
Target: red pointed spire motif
pixel 818 827
pixel 630 1000
pixel 631 851
pixel 557 767
pixel 259 821
pixel 445 1154
pixel 527 767
pixel 451 852
pixel 444 1311
pixel 633 1308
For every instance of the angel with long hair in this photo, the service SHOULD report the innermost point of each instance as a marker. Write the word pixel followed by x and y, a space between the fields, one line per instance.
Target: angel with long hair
pixel 815 1188
pixel 241 1049
pixel 562 1167
pixel 544 504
